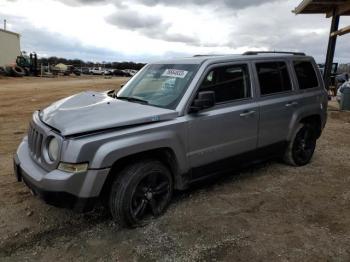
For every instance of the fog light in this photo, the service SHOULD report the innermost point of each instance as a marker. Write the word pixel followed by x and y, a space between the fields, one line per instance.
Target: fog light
pixel 73 168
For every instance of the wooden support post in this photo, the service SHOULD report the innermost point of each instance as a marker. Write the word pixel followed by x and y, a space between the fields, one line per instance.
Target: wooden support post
pixel 341 32
pixel 331 49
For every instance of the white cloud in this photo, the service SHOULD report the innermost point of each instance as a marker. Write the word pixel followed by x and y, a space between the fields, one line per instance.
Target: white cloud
pixel 152 29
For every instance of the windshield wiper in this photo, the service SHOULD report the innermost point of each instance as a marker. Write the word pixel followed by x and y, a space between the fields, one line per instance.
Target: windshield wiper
pixel 132 99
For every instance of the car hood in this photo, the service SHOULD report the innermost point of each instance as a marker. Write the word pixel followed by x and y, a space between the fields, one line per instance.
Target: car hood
pixel 92 111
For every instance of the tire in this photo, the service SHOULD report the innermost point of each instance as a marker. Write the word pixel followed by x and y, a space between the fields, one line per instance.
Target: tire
pixel 141 191
pixel 8 70
pixel 18 71
pixel 301 148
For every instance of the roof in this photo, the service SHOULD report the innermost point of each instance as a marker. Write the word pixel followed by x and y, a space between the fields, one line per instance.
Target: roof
pixel 9 32
pixel 226 58
pixel 323 7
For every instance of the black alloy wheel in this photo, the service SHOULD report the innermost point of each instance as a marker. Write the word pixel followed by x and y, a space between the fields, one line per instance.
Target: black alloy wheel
pixel 141 191
pixel 304 145
pixel 150 196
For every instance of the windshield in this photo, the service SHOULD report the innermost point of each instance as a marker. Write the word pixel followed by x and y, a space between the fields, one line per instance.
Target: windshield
pixel 160 84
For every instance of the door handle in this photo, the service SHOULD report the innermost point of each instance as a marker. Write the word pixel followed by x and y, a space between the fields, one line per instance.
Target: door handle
pixel 291 104
pixel 247 113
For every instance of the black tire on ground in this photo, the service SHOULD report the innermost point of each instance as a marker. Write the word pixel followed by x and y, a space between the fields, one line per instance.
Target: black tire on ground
pixel 141 191
pixel 2 71
pixel 18 71
pixel 8 70
pixel 26 71
pixel 301 148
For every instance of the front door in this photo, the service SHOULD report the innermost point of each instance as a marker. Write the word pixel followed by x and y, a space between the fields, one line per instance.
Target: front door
pixel 230 127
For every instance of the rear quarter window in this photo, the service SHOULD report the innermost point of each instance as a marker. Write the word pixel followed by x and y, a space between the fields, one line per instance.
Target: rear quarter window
pixel 306 74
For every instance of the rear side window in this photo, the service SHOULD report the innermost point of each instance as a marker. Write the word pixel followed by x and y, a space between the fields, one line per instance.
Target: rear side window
pixel 273 77
pixel 228 82
pixel 305 74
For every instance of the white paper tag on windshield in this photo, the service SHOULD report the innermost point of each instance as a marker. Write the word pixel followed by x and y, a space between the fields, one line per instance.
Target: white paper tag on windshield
pixel 175 73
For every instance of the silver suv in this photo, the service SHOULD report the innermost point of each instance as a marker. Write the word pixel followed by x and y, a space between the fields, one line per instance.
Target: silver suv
pixel 173 124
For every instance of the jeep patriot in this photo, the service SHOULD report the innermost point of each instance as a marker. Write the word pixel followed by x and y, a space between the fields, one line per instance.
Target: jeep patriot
pixel 174 123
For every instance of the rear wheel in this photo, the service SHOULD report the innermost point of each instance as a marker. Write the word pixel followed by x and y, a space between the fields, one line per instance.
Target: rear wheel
pixel 302 147
pixel 141 191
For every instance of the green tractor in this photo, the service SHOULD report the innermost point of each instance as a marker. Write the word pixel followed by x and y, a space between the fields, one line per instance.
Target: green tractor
pixel 28 63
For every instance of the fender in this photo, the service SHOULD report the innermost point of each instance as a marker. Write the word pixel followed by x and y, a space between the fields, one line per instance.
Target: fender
pixel 303 112
pixel 110 152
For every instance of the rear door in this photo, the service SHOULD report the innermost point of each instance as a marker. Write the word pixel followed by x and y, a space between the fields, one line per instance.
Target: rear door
pixel 230 127
pixel 313 96
pixel 277 101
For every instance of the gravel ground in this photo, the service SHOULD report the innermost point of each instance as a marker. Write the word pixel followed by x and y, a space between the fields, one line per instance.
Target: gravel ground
pixel 269 212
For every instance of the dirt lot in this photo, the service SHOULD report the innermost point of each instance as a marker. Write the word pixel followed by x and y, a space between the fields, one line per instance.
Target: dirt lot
pixel 269 212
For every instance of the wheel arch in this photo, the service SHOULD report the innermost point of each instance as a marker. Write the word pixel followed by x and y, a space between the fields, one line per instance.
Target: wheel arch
pixel 165 155
pixel 315 120
pixel 305 116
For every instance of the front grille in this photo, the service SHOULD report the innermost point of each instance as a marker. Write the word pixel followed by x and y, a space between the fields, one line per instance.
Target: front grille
pixel 35 141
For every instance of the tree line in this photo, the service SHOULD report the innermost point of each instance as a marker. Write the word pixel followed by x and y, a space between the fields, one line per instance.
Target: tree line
pixel 80 63
pixel 344 68
pixel 122 65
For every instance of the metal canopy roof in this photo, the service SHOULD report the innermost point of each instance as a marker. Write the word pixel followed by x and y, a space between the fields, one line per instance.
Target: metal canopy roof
pixel 323 7
pixel 334 9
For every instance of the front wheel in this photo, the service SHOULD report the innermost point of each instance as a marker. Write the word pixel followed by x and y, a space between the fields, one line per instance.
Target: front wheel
pixel 302 147
pixel 140 192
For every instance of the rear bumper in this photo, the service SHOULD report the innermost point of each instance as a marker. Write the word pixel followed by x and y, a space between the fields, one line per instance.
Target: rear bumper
pixel 78 191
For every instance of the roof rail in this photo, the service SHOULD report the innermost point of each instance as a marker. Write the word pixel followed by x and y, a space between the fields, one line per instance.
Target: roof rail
pixel 206 55
pixel 273 52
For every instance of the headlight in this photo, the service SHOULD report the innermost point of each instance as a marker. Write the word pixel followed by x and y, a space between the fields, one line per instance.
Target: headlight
pixel 73 168
pixel 53 149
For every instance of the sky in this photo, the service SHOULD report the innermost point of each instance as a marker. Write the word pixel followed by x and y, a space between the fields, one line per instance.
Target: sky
pixel 149 30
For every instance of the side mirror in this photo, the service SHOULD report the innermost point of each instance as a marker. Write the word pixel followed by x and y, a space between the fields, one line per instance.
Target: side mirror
pixel 204 100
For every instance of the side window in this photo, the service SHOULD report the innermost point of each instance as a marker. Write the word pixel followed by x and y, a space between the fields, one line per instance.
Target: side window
pixel 305 74
pixel 229 83
pixel 273 77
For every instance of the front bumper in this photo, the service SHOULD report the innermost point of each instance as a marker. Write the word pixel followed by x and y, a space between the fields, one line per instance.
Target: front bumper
pixel 78 191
